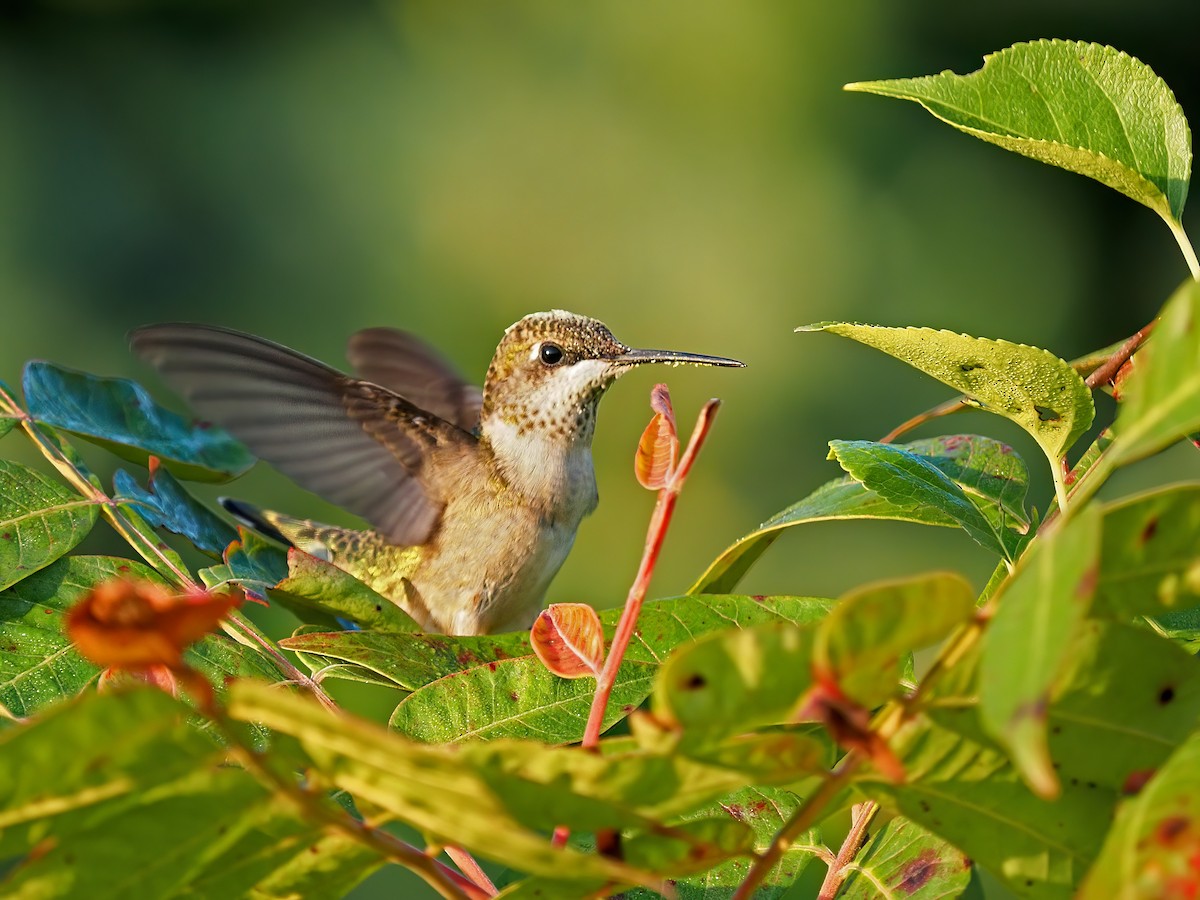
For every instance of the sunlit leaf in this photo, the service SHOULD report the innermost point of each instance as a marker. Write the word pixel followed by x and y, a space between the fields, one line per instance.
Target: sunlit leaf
pixel 1029 386
pixel 903 860
pixel 1039 612
pixel 312 582
pixel 1161 399
pixel 989 472
pixel 1150 554
pixel 734 681
pixel 861 644
pixel 40 520
pixel 120 415
pixel 429 787
pixel 658 449
pixel 1083 107
pixel 1152 848
pixel 968 793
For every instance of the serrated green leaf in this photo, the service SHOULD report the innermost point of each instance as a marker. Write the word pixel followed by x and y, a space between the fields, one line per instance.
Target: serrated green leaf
pixel 1151 849
pixel 167 504
pixel 315 583
pixel 429 787
pixel 1031 387
pixel 1039 612
pixel 988 471
pixel 903 860
pixel 1083 107
pixel 734 681
pixel 1150 553
pixel 971 795
pixel 40 520
pixel 39 666
pixel 119 415
pixel 909 481
pixel 514 698
pixel 1161 399
pixel 862 643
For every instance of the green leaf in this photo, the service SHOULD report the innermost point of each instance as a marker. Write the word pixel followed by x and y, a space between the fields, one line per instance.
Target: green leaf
pixel 1161 399
pixel 1039 611
pixel 429 787
pixel 40 520
pixel 1082 107
pixel 907 480
pixel 167 504
pixel 862 643
pixel 519 693
pixel 904 860
pixel 1031 387
pixel 989 472
pixel 734 681
pixel 120 416
pixel 6 424
pixel 252 561
pixel 515 698
pixel 1150 553
pixel 1151 849
pixel 320 585
pixel 970 794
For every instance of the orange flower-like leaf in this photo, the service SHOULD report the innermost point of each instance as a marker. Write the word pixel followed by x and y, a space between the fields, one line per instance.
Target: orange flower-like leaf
pixel 568 639
pixel 136 625
pixel 658 450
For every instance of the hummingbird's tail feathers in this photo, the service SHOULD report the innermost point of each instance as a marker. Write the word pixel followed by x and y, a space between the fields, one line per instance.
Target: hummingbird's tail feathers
pixel 357 444
pixel 299 533
pixel 404 363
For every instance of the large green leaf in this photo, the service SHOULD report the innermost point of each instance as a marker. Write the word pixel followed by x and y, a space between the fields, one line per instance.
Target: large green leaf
pixel 165 503
pixel 989 472
pixel 432 788
pixel 909 481
pixel 1029 386
pixel 1039 612
pixel 903 860
pixel 970 794
pixel 1083 107
pixel 1150 553
pixel 1161 400
pixel 120 415
pixel 40 520
pixel 515 698
pixel 862 643
pixel 1151 849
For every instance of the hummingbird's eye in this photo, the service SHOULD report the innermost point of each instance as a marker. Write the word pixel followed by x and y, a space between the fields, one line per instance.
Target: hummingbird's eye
pixel 551 354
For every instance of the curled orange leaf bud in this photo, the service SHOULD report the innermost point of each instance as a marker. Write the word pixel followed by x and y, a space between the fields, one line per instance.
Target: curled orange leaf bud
pixel 658 449
pixel 135 625
pixel 568 639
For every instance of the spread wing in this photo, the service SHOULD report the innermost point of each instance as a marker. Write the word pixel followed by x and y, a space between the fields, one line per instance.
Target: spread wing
pixel 357 444
pixel 407 365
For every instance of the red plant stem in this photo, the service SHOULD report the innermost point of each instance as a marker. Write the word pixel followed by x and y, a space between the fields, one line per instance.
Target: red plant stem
pixel 470 868
pixel 1108 370
pixel 655 535
pixel 836 876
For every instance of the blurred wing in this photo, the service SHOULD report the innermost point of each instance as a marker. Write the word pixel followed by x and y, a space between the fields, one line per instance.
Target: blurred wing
pixel 407 365
pixel 353 443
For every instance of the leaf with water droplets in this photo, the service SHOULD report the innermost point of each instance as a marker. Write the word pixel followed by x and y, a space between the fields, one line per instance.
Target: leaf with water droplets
pixel 40 520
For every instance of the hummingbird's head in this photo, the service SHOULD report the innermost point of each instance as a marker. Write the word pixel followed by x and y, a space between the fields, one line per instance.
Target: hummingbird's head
pixel 551 369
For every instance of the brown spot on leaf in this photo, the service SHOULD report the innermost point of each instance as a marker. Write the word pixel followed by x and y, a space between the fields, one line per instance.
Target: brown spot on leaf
pixel 918 872
pixel 466 658
pixel 513 696
pixel 492 666
pixel 7 535
pixel 1135 781
pixel 1166 695
pixel 1087 584
pixel 1148 530
pixel 694 682
pixel 1171 828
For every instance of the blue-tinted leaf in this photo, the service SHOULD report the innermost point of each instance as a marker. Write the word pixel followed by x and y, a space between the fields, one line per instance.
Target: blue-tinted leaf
pixel 166 504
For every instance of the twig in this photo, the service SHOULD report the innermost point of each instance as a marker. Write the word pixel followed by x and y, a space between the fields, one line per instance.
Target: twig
pixel 659 522
pixel 860 818
pixel 468 865
pixel 1107 371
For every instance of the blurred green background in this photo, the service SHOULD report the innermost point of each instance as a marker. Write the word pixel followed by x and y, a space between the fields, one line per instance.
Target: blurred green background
pixel 688 172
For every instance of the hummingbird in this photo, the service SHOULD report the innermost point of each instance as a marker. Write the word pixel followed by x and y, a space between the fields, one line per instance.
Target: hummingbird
pixel 473 496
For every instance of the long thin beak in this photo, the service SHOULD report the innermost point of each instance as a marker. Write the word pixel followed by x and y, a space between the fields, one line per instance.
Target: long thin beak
pixel 674 358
